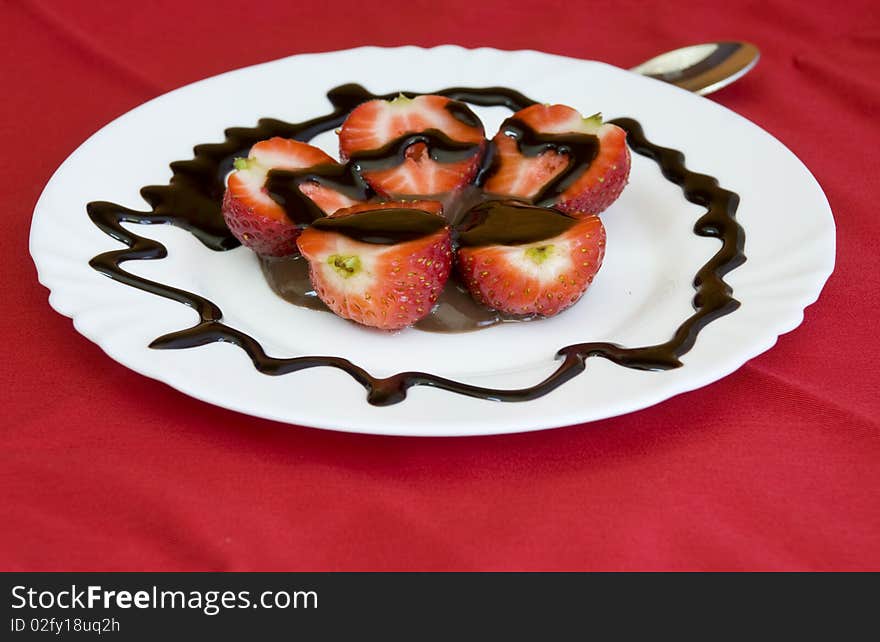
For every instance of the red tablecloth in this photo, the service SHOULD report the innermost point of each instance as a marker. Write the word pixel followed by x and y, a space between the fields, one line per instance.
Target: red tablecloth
pixel 102 469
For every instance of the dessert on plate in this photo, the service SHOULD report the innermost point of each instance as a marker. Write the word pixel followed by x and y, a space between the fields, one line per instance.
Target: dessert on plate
pixel 421 203
pixel 422 222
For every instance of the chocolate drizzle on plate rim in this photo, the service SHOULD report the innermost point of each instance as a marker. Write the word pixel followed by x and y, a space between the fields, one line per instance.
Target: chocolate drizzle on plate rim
pixel 192 201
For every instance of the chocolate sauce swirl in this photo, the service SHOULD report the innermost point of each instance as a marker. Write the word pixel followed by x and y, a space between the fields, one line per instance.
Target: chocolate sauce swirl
pixel 192 201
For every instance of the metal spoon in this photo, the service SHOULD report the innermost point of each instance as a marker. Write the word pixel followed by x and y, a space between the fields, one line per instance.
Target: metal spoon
pixel 702 68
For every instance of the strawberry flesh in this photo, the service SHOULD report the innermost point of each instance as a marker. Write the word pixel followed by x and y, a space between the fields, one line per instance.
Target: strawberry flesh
pixel 382 265
pixel 530 261
pixel 420 146
pixel 550 155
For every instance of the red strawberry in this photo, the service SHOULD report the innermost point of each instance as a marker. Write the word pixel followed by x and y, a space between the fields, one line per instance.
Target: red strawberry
pixel 597 187
pixel 381 265
pixel 509 263
pixel 250 213
pixel 376 123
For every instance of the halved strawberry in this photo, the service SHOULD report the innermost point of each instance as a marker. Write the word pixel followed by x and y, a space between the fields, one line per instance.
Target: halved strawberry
pixel 456 143
pixel 525 168
pixel 382 264
pixel 252 216
pixel 527 260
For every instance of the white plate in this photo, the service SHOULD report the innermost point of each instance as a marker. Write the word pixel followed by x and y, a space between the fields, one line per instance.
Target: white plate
pixel 642 293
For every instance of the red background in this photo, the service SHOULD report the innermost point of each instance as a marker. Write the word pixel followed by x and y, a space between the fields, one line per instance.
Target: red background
pixel 774 467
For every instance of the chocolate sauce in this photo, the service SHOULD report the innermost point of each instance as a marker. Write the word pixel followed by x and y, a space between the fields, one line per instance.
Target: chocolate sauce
pixel 384 226
pixel 288 276
pixel 511 223
pixel 283 187
pixel 192 201
pixel 440 147
pixel 463 114
pixel 456 311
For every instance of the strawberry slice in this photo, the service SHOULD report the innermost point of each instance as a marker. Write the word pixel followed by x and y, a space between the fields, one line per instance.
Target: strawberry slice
pixel 252 216
pixel 526 260
pixel 380 264
pixel 575 164
pixel 413 146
